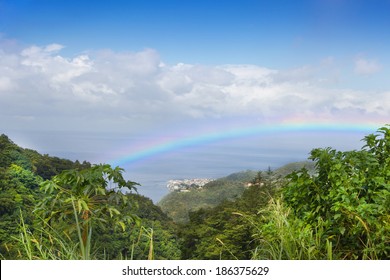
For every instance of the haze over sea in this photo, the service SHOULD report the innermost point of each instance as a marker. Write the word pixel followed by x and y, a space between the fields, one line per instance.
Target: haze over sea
pixel 214 159
pixel 221 159
pixel 187 89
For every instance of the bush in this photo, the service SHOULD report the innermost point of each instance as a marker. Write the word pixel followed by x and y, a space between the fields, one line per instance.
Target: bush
pixel 351 195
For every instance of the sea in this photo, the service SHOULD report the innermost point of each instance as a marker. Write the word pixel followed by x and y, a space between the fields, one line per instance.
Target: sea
pixel 211 160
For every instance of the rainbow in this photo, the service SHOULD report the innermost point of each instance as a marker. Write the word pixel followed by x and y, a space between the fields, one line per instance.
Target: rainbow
pixel 141 151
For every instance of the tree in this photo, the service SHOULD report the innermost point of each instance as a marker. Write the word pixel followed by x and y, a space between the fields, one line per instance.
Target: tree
pixel 153 237
pixel 18 195
pixel 78 200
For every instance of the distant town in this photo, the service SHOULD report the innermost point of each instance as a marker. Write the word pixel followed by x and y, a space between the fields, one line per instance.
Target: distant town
pixel 187 184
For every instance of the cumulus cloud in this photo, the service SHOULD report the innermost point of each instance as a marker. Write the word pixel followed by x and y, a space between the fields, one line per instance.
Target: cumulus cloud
pixel 366 66
pixel 136 90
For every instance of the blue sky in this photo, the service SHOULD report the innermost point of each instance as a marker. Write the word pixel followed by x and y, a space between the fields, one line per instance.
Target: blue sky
pixel 96 79
pixel 277 33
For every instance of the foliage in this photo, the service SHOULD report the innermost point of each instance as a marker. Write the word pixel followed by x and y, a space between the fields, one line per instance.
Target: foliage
pixel 154 230
pixel 18 193
pixel 216 234
pixel 283 236
pixel 81 200
pixel 153 240
pixel 351 195
pixel 11 153
pixel 47 166
pixel 23 177
pixel 44 166
pixel 223 232
pixel 19 187
pixel 44 243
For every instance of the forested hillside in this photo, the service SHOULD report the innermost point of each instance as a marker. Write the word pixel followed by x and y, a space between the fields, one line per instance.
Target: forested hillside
pixel 336 206
pixel 53 208
pixel 178 205
pixel 21 173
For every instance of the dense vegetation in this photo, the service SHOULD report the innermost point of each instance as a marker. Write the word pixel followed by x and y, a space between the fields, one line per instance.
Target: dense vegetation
pixel 52 208
pixel 335 207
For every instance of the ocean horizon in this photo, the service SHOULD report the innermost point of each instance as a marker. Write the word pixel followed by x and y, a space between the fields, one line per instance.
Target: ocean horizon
pixel 212 160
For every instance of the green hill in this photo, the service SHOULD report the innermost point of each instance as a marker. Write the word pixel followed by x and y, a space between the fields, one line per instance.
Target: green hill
pixel 178 205
pixel 22 171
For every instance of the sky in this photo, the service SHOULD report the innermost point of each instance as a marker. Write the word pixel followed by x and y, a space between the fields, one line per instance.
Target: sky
pixel 209 87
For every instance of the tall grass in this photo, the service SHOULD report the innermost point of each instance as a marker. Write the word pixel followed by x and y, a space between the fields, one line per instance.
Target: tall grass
pixel 225 248
pixel 44 243
pixel 281 236
pixel 147 233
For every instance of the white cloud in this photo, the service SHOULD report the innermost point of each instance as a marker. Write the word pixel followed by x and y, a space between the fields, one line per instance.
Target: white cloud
pixel 5 84
pixel 53 48
pixel 136 90
pixel 366 66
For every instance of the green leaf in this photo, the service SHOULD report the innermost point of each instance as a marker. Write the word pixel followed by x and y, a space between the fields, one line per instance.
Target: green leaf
pixel 84 205
pixel 122 224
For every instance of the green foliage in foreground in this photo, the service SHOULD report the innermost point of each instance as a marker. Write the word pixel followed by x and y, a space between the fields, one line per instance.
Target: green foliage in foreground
pixel 85 215
pixel 79 212
pixel 153 237
pixel 283 236
pixel 80 201
pixel 338 210
pixel 350 197
pixel 21 172
pixel 225 232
